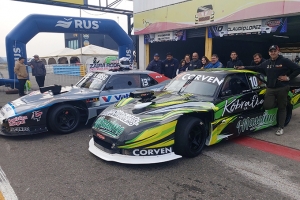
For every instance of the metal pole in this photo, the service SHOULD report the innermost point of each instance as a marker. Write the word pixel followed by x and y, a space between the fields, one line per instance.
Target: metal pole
pixel 80 35
pixel 129 25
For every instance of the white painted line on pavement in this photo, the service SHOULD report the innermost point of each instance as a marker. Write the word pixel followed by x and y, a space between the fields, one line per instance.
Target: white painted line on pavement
pixel 265 173
pixel 5 188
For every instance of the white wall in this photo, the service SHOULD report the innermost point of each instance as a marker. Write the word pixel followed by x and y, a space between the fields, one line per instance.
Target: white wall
pixel 143 5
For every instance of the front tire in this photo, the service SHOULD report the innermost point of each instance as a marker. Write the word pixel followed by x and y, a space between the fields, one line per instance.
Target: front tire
pixel 63 119
pixel 190 137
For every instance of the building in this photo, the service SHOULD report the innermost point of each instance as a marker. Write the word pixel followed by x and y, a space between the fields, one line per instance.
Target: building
pixel 74 40
pixel 215 26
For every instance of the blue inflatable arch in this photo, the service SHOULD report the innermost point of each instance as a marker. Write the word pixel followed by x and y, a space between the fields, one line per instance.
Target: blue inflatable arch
pixel 17 39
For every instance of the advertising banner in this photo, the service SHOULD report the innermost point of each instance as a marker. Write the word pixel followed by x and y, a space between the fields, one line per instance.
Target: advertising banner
pixel 165 37
pixel 246 28
pixel 169 15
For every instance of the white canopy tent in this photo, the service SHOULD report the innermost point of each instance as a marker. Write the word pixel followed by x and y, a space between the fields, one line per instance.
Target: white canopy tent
pixel 88 53
pixel 57 54
pixel 85 54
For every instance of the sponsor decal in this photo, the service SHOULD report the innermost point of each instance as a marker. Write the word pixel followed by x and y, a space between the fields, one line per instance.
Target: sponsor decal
pixel 64 24
pixel 17 121
pixel 109 127
pixel 102 137
pixel 273 23
pixel 128 119
pixel 114 98
pixel 238 104
pixel 203 78
pixel 36 115
pixel 17 53
pixel 78 23
pixel 92 100
pixel 19 129
pixel 252 123
pixel 152 152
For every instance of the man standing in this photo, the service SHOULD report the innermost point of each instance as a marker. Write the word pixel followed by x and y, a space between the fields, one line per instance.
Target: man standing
pixel 38 70
pixel 234 60
pixel 170 66
pixel 257 59
pixel 214 63
pixel 279 72
pixel 195 63
pixel 156 64
pixel 22 75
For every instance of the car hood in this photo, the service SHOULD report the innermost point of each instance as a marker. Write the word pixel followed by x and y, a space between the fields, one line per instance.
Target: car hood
pixel 129 117
pixel 36 100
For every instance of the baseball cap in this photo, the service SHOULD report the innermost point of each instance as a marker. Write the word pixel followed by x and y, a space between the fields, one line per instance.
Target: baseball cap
pixel 156 55
pixel 273 47
pixel 169 54
pixel 36 56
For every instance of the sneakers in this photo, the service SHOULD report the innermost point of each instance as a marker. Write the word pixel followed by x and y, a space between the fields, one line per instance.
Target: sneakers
pixel 279 131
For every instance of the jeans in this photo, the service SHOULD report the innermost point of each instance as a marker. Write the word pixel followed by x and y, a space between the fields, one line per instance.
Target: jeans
pixel 40 80
pixel 22 83
pixel 277 97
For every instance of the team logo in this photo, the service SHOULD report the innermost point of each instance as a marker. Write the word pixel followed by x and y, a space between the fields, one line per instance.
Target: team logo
pixel 36 115
pixel 64 24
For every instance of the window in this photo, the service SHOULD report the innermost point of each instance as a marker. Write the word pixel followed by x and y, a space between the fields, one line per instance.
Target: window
pixel 147 81
pixel 124 81
pixel 234 85
pixel 93 81
pixel 255 82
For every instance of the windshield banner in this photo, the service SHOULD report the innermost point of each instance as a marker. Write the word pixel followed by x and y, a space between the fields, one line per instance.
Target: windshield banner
pixel 165 37
pixel 247 28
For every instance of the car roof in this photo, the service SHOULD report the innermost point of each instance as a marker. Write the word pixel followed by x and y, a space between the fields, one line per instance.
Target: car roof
pixel 126 72
pixel 220 71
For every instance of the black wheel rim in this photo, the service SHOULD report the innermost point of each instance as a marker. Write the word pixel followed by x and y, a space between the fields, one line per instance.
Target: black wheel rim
pixel 196 138
pixel 66 119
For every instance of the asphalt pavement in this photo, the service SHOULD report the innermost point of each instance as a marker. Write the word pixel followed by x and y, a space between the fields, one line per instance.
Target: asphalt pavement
pixel 51 166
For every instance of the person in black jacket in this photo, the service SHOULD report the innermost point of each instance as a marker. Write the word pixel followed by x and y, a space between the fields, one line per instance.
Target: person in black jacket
pixel 195 63
pixel 170 66
pixel 234 60
pixel 279 72
pixel 155 65
pixel 257 59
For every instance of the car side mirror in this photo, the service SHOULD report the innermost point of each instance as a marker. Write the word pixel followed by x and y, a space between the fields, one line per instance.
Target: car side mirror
pixel 227 93
pixel 108 87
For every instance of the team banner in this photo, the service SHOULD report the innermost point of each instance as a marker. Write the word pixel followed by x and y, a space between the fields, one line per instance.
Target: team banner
pixel 165 37
pixel 247 28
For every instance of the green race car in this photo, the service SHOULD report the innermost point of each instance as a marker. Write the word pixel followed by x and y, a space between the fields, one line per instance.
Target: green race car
pixel 195 109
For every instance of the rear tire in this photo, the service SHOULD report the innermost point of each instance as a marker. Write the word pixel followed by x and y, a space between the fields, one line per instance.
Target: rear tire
pixel 190 137
pixel 63 119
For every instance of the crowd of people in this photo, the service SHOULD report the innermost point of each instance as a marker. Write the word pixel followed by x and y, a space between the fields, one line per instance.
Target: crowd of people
pixel 278 70
pixel 171 67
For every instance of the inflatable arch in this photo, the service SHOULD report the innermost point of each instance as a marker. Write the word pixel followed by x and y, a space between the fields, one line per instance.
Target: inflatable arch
pixel 17 39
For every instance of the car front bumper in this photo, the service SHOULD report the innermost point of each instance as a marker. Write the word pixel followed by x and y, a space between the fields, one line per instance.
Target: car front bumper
pixel 126 159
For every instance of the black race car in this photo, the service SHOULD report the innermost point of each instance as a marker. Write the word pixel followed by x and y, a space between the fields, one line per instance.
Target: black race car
pixel 195 109
pixel 62 109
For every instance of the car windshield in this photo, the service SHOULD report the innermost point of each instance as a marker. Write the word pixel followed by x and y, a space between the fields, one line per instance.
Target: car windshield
pixel 93 81
pixel 191 86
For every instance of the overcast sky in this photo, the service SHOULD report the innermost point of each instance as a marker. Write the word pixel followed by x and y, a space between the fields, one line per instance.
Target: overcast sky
pixel 13 12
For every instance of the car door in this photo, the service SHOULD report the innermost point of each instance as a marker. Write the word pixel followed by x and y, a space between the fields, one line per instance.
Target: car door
pixel 237 103
pixel 119 86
